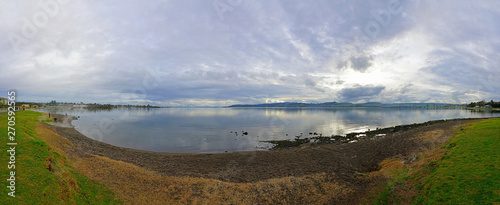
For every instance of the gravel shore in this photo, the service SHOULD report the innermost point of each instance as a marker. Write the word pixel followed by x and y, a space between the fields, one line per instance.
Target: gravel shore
pixel 343 159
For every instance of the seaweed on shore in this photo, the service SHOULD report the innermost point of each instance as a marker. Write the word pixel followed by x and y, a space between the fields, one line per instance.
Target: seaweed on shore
pixel 351 137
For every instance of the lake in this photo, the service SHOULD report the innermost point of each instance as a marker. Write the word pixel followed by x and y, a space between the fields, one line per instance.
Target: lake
pixel 216 130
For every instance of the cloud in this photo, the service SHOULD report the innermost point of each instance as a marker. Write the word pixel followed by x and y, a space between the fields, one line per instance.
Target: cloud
pixel 310 82
pixel 361 91
pixel 169 52
pixel 361 63
pixel 358 63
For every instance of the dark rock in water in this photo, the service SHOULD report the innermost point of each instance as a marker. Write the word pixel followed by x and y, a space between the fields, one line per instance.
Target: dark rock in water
pixel 245 133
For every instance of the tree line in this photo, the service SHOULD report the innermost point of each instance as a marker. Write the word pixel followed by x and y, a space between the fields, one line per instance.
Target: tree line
pixel 483 103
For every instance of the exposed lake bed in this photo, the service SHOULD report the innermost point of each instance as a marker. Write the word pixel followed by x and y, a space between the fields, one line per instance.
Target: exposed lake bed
pixel 343 163
pixel 251 166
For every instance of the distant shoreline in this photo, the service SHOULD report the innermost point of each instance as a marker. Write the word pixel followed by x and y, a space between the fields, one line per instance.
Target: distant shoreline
pixel 482 108
pixel 348 105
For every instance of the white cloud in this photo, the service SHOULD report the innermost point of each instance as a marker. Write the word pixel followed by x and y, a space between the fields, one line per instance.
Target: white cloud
pixel 175 52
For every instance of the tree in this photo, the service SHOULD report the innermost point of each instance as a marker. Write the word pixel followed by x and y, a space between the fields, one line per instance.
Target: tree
pixel 52 103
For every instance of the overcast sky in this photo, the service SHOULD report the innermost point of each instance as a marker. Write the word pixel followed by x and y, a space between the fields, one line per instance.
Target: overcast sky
pixel 222 52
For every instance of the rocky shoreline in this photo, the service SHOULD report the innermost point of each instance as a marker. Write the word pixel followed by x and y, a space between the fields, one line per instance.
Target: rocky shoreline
pixel 344 159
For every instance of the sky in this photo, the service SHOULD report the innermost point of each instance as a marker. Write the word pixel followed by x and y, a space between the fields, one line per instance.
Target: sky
pixel 224 52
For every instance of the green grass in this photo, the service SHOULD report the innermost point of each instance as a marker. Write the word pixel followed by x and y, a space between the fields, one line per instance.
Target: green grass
pixel 46 121
pixel 36 183
pixel 469 173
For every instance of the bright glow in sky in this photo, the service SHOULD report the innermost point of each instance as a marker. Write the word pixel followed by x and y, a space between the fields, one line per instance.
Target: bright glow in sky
pixel 220 52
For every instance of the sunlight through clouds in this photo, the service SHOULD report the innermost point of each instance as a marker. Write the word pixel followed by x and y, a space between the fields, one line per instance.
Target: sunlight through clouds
pixel 252 52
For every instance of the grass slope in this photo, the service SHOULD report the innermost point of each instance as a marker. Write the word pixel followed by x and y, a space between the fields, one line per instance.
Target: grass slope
pixel 43 175
pixel 466 170
pixel 469 173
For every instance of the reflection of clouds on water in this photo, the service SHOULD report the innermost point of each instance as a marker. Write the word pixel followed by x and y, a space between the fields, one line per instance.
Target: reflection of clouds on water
pixel 357 129
pixel 214 129
pixel 196 112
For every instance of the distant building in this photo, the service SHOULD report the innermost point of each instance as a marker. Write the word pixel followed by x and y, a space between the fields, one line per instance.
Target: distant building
pixel 4 101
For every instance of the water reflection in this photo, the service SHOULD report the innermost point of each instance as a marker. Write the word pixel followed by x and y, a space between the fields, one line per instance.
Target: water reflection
pixel 208 130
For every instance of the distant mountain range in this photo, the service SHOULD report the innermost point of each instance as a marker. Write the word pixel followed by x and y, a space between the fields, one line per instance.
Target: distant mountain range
pixel 336 104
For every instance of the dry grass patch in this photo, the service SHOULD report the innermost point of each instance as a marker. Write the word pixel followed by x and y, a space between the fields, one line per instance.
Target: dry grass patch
pixel 434 136
pixel 390 167
pixel 136 185
pixel 56 142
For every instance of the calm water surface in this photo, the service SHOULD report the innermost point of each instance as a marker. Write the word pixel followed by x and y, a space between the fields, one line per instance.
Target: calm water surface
pixel 213 130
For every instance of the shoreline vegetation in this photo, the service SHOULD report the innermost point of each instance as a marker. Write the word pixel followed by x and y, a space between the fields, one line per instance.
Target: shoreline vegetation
pixel 71 105
pixel 419 163
pixel 479 106
pixel 315 138
pixel 348 105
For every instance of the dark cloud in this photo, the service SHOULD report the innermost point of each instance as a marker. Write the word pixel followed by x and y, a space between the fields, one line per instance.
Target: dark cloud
pixel 361 91
pixel 357 63
pixel 361 63
pixel 311 82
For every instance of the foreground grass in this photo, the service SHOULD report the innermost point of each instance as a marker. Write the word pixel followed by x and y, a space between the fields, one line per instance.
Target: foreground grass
pixel 43 175
pixel 470 171
pixel 464 171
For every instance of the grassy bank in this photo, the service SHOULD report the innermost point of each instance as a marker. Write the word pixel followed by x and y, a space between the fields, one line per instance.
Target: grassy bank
pixel 466 170
pixel 43 175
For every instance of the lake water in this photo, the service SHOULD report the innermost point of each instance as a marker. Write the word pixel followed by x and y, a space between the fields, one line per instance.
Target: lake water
pixel 215 130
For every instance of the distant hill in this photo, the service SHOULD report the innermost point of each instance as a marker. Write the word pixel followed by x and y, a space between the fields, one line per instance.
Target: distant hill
pixel 336 104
